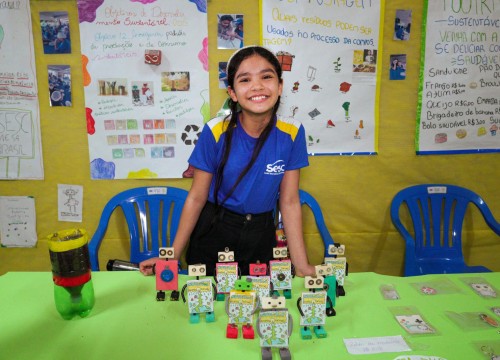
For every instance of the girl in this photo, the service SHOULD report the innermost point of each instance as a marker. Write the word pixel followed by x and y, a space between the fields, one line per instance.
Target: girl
pixel 241 163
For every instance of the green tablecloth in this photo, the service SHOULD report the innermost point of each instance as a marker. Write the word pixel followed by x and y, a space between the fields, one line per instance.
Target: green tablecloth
pixel 128 323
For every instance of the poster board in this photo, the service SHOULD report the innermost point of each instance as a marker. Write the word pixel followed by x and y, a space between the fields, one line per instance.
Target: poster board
pixel 331 58
pixel 459 106
pixel 20 141
pixel 145 68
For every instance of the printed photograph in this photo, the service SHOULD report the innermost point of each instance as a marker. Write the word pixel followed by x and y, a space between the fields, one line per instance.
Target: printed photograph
pixel 112 87
pixel 223 75
pixel 175 81
pixel 59 85
pixel 55 32
pixel 398 67
pixel 402 25
pixel 142 93
pixel 229 31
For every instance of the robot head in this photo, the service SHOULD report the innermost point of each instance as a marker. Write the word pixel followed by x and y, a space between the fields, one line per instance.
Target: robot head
pixel 166 253
pixel 280 252
pixel 225 256
pixel 243 285
pixel 313 282
pixel 484 289
pixel 336 249
pixel 258 269
pixel 197 270
pixel 273 303
pixel 324 270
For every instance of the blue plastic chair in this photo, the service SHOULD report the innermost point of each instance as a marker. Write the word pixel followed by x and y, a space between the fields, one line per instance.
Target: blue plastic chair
pixel 152 215
pixel 307 199
pixel 437 212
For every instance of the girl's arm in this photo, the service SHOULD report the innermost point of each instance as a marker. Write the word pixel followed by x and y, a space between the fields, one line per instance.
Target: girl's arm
pixel 195 201
pixel 291 213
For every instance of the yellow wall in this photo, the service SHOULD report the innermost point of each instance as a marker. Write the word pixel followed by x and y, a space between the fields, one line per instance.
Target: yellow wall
pixel 354 191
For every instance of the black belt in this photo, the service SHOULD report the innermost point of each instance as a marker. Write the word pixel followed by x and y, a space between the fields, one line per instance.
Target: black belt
pixel 223 212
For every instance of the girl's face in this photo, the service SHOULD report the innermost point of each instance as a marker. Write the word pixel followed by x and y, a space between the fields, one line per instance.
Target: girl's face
pixel 256 86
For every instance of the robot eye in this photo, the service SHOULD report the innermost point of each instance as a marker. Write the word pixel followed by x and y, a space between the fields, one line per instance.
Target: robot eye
pixel 194 270
pixel 231 257
pixel 340 250
pixel 276 252
pixel 310 282
pixel 170 253
pixel 283 252
pixel 318 282
pixel 321 271
pixel 202 270
pixel 222 257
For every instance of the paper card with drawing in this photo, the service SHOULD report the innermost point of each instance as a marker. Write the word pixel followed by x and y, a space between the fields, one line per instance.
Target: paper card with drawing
pixel 69 202
pixel 17 221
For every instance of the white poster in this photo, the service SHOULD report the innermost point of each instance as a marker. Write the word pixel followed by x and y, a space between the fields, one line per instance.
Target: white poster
pixel 17 221
pixel 145 65
pixel 331 58
pixel 20 142
pixel 459 105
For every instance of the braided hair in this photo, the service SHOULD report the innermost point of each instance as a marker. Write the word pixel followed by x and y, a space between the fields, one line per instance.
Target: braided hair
pixel 231 120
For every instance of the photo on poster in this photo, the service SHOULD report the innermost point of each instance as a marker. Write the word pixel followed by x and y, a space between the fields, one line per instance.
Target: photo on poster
pixel 223 75
pixel 397 69
pixel 55 32
pixel 402 25
pixel 229 31
pixel 59 85
pixel 175 81
pixel 364 61
pixel 142 93
pixel 112 87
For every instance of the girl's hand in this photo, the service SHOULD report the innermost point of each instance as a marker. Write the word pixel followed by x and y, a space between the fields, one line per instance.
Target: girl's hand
pixel 307 270
pixel 146 266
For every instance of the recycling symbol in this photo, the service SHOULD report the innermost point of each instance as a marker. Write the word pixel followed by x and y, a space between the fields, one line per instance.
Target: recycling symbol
pixel 191 134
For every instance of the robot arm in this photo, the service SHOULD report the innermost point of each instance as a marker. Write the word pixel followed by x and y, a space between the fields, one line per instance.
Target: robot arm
pixel 182 293
pixel 330 311
pixel 300 307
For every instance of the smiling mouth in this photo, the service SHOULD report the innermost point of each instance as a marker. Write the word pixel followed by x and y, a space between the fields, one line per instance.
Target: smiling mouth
pixel 258 98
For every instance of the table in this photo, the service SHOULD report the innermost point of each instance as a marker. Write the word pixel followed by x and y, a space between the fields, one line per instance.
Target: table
pixel 128 323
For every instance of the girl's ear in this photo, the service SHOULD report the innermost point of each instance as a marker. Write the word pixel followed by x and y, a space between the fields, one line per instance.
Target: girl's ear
pixel 232 94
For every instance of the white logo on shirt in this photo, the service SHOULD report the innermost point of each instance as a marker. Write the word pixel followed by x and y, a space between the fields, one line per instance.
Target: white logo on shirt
pixel 276 168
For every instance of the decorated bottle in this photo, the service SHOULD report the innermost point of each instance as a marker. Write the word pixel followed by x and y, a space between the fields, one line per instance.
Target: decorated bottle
pixel 73 288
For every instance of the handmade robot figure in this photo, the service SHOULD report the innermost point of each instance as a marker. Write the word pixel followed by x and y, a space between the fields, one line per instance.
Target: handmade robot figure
pixel 329 281
pixel 336 257
pixel 226 273
pixel 261 281
pixel 167 274
pixel 281 271
pixel 241 304
pixel 313 306
pixel 200 294
pixel 274 327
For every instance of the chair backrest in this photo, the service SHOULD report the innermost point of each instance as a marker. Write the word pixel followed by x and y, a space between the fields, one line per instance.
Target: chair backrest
pixel 152 215
pixel 307 199
pixel 437 213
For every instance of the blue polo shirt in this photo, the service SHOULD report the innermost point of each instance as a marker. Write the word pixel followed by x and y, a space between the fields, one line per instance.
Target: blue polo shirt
pixel 285 149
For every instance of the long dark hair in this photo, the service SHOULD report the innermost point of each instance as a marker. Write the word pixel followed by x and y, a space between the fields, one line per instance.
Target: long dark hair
pixel 231 120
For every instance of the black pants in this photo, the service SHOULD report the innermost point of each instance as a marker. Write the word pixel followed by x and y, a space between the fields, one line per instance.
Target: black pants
pixel 251 237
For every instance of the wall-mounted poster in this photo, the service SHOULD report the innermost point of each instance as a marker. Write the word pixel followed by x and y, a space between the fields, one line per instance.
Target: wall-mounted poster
pixel 145 65
pixel 331 59
pixel 20 142
pixel 459 104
